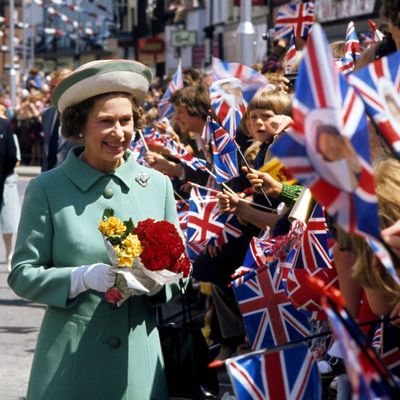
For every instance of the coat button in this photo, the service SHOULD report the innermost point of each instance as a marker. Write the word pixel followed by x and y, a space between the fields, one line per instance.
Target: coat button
pixel 108 193
pixel 115 342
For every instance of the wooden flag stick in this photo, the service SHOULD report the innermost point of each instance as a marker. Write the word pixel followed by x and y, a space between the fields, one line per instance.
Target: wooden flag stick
pixel 245 201
pixel 249 168
pixel 144 141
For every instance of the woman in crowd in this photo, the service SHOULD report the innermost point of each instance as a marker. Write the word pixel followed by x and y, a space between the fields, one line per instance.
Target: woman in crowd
pixel 87 349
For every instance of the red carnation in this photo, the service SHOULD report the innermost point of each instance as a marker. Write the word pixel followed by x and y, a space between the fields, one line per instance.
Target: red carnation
pixel 161 243
pixel 113 295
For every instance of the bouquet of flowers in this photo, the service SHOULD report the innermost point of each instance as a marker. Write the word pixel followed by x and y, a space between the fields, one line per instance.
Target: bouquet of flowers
pixel 146 256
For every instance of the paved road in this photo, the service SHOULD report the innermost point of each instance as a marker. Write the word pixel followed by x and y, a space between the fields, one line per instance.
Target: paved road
pixel 19 326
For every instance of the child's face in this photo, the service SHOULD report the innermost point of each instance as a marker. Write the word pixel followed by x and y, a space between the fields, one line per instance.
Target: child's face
pixel 262 127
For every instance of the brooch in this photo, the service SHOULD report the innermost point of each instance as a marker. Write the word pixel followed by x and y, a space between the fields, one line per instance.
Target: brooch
pixel 143 179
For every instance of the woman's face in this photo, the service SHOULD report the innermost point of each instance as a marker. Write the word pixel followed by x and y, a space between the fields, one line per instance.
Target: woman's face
pixel 108 132
pixel 262 127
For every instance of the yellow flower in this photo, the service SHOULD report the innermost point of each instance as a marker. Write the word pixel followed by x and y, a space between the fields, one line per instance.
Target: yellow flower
pixel 113 226
pixel 132 245
pixel 125 260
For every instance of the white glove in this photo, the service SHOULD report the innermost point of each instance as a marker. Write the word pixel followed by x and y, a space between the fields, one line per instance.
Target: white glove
pixel 98 277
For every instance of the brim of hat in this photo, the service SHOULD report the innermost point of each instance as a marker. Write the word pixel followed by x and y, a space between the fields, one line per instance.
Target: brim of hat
pixel 102 77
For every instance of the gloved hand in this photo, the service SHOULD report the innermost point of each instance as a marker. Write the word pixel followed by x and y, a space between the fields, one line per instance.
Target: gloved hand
pixel 98 277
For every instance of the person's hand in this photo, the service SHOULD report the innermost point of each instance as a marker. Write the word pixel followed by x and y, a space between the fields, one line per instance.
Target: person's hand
pixel 157 161
pixel 280 123
pixel 167 129
pixel 229 202
pixel 99 277
pixel 155 146
pixel 396 313
pixel 391 236
pixel 263 180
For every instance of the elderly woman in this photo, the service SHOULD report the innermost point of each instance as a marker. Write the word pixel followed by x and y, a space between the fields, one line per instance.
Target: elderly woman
pixel 86 349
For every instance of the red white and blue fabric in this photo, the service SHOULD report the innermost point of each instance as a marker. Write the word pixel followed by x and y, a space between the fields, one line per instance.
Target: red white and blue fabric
pixel 251 79
pixel 182 208
pixel 165 108
pixel 139 149
pixel 390 349
pixel 351 48
pixel 286 374
pixel 229 108
pixel 290 60
pixel 376 84
pixel 205 222
pixel 312 257
pixel 269 317
pixel 324 98
pixel 297 17
pixel 368 376
pixel 151 134
pixel 232 230
pixel 224 151
pixel 377 35
pixel 178 151
pixel 193 250
pixel 258 253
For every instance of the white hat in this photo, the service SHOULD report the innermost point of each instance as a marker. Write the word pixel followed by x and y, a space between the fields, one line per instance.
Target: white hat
pixel 99 77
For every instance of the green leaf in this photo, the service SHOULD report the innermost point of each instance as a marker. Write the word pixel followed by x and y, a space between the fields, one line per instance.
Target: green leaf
pixel 108 212
pixel 130 227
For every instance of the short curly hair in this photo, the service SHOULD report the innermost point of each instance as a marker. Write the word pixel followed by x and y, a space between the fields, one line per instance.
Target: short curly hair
pixel 74 118
pixel 391 9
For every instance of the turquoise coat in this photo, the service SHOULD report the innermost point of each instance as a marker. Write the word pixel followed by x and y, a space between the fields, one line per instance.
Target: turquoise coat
pixel 87 350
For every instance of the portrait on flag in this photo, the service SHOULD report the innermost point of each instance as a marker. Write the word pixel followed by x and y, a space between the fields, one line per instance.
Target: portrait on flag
pixel 229 90
pixel 378 84
pixel 331 153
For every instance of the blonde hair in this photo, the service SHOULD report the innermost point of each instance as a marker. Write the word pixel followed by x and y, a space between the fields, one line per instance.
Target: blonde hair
pixel 271 99
pixel 365 270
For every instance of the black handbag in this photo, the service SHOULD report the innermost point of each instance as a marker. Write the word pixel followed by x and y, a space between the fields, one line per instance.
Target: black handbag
pixel 186 358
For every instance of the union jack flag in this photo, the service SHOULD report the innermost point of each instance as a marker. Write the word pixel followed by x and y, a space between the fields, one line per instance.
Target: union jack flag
pixel 165 108
pixel 281 374
pixel 178 151
pixel 377 35
pixel 139 149
pixel 351 48
pixel 258 253
pixel 386 343
pixel 205 222
pixel 289 61
pixel 251 79
pixel 327 113
pixel 193 250
pixel 368 376
pixel 224 151
pixel 228 103
pixel 232 229
pixel 379 86
pixel 298 17
pixel 312 257
pixel 182 207
pixel 269 316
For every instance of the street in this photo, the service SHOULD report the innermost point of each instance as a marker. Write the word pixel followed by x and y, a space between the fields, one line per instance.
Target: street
pixel 19 326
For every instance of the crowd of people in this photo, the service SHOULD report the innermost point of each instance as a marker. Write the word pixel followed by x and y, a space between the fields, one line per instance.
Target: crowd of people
pixel 84 130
